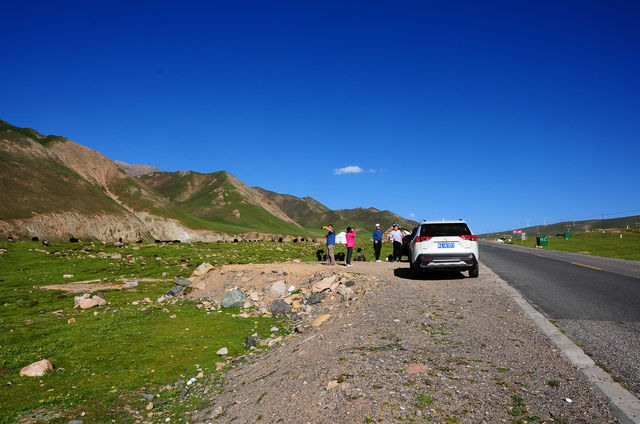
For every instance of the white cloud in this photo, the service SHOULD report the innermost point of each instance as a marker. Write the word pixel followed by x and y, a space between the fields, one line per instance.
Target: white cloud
pixel 351 169
pixel 412 215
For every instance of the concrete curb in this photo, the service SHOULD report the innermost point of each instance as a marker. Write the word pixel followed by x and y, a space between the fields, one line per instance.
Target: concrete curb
pixel 622 403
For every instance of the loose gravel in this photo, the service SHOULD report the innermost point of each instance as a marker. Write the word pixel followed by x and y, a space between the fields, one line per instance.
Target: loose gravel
pixel 615 346
pixel 442 349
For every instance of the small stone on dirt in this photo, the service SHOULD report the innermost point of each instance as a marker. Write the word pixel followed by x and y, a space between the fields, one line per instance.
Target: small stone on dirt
pixel 320 320
pixel 233 299
pixel 316 298
pixel 278 288
pixel 181 281
pixel 280 308
pixel 203 269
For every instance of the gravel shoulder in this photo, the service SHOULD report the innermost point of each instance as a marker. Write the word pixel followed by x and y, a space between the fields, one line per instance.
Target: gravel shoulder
pixel 438 349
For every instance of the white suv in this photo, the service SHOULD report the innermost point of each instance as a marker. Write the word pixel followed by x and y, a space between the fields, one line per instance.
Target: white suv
pixel 444 245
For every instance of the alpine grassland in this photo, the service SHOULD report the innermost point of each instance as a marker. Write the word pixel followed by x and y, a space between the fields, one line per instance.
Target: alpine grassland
pixel 621 243
pixel 106 358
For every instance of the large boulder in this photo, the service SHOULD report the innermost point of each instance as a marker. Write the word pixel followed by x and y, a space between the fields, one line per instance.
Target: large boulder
pixel 280 308
pixel 233 299
pixel 37 369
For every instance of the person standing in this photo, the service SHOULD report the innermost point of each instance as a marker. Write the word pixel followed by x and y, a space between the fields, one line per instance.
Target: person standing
pixel 396 236
pixel 377 242
pixel 351 243
pixel 331 243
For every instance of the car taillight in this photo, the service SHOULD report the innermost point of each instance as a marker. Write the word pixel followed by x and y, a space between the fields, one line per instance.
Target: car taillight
pixel 468 237
pixel 422 239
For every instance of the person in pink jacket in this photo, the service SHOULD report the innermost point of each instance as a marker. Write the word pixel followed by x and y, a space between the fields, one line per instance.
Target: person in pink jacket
pixel 351 242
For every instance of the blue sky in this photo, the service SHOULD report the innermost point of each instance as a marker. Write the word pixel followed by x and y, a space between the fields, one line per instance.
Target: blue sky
pixel 501 113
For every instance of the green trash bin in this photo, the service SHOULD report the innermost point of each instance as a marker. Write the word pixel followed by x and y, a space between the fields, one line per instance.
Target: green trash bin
pixel 542 241
pixel 567 236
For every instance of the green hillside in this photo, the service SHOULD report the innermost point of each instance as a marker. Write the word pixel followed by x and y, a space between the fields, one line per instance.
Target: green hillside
pixel 33 181
pixel 216 198
pixel 52 174
pixel 312 214
pixel 574 226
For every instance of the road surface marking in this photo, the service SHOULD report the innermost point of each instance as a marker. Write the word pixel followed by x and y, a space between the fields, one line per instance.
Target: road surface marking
pixel 542 256
pixel 587 266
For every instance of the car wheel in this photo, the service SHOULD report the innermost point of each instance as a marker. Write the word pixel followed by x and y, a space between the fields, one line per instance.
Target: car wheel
pixel 473 272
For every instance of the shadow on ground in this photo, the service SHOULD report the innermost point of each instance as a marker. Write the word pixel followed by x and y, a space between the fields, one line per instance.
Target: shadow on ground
pixel 408 274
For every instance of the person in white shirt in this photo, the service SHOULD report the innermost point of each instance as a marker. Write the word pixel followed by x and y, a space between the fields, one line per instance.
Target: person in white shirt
pixel 396 236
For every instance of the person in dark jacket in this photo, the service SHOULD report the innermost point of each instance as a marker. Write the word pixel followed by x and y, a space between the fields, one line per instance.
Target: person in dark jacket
pixel 377 242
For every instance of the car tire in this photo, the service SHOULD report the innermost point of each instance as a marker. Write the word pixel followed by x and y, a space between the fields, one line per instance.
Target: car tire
pixel 473 272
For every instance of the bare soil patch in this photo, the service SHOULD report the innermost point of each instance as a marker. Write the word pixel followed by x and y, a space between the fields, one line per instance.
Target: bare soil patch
pixel 437 349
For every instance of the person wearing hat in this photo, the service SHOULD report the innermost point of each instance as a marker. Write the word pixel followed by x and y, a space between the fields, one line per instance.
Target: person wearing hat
pixel 396 236
pixel 377 242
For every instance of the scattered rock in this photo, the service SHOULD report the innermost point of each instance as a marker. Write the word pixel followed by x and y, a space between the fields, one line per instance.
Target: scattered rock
pixel 332 384
pixel 174 291
pixel 328 283
pixel 149 406
pixel 320 320
pixel 37 369
pixel 75 422
pixel 316 298
pixel 223 351
pixel 417 369
pixel 71 320
pixel 280 308
pixel 276 271
pixel 67 275
pixel 181 281
pixel 278 288
pixel 130 284
pixel 203 269
pixel 86 302
pixel 345 291
pixel 233 299
pixel 350 283
pixel 250 341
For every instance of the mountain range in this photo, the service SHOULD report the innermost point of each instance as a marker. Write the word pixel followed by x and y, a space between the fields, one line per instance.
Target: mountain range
pixel 54 188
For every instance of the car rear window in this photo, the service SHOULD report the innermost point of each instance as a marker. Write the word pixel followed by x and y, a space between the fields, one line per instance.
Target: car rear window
pixel 439 230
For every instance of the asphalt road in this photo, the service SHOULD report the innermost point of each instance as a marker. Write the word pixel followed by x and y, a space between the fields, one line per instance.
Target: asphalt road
pixel 597 300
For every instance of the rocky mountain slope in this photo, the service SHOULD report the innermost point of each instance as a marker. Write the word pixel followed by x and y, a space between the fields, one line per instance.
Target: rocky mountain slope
pixel 312 214
pixel 136 170
pixel 54 188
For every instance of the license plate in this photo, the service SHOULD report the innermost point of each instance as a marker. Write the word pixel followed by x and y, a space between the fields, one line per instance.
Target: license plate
pixel 446 245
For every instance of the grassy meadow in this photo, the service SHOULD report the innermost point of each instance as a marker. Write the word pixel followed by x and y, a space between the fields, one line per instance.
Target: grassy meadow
pixel 111 355
pixel 608 244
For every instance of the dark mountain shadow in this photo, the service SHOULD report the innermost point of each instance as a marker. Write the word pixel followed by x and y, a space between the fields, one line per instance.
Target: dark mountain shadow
pixel 408 274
